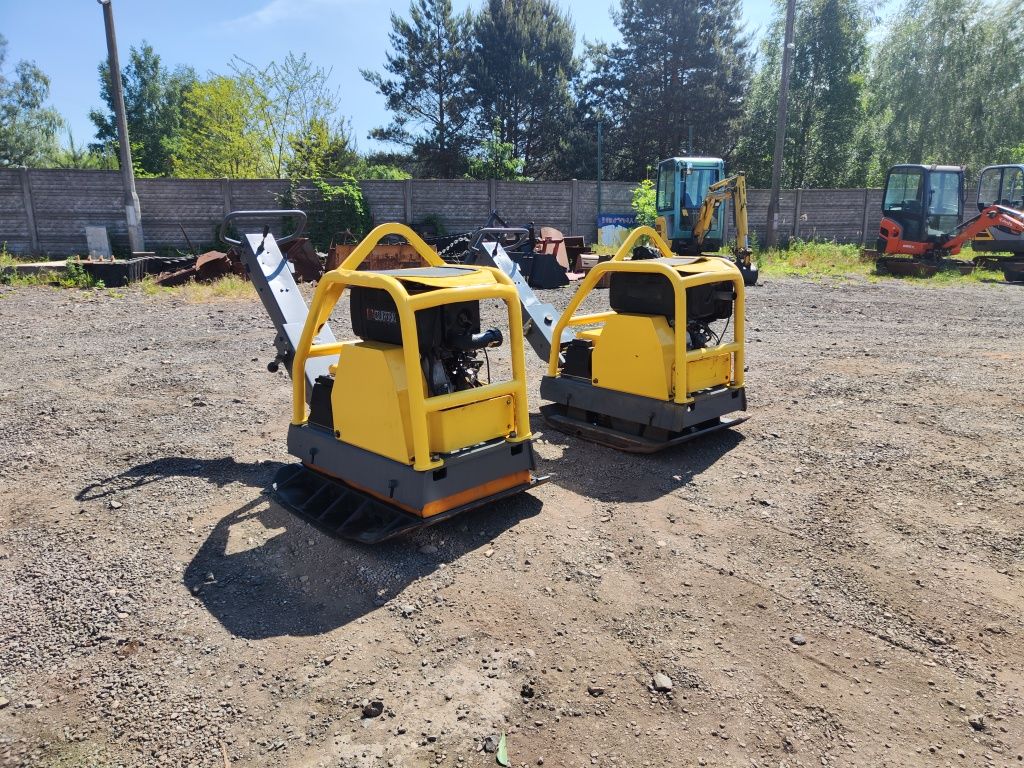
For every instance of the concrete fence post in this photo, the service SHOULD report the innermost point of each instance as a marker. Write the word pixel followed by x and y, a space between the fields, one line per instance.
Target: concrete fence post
pixel 225 193
pixel 492 196
pixel 797 212
pixel 574 194
pixel 30 214
pixel 864 220
pixel 407 189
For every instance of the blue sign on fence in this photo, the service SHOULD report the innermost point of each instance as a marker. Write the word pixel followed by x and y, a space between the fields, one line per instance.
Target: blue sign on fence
pixel 616 220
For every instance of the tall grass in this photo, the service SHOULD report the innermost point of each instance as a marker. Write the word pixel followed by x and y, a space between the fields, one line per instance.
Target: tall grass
pixel 833 260
pixel 72 276
pixel 226 287
pixel 815 259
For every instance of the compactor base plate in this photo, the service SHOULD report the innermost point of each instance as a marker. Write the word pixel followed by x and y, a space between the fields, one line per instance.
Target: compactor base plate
pixel 345 512
pixel 574 423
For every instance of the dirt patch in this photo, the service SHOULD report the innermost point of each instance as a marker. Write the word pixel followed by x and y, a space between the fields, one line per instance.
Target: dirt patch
pixel 837 582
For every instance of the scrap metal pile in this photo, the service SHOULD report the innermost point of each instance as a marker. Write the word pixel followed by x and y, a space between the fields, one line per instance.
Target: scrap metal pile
pixel 547 260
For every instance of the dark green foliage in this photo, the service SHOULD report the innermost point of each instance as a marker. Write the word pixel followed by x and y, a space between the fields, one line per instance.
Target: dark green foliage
pixel 499 93
pixel 425 87
pixel 28 130
pixel 432 222
pixel 825 100
pixel 682 65
pixel 520 71
pixel 334 207
pixel 153 98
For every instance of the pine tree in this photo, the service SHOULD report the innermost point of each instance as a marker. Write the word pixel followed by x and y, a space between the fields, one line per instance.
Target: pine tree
pixel 427 90
pixel 521 70
pixel 682 67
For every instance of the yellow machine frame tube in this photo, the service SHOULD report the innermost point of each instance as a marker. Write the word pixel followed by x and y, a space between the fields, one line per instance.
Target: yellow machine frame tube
pixel 330 289
pixel 679 283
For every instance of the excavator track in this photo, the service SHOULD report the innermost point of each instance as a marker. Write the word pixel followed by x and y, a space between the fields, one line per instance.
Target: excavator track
pixel 902 266
pixel 344 512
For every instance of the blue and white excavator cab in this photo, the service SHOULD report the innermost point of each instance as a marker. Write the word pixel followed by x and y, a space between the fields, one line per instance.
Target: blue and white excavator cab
pixel 683 183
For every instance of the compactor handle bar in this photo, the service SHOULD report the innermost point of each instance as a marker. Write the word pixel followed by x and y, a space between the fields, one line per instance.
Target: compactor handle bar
pixel 263 214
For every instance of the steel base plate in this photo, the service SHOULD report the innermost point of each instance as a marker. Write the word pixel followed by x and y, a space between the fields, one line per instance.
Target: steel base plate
pixel 342 511
pixel 556 416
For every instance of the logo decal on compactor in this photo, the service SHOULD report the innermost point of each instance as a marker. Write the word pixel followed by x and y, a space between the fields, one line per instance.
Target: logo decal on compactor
pixel 381 315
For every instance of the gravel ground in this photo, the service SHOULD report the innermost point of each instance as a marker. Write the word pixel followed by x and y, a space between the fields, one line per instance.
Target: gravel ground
pixel 837 582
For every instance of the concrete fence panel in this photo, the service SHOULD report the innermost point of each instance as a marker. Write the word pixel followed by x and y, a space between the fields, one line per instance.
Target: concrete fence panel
pixel 45 212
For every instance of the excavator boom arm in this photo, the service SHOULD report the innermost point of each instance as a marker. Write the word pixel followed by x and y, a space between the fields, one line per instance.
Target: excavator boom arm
pixel 732 188
pixel 993 216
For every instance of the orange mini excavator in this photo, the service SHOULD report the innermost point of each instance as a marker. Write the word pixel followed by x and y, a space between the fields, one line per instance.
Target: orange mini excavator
pixel 921 213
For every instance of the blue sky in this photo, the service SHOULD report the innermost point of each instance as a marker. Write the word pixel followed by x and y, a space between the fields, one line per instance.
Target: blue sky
pixel 65 38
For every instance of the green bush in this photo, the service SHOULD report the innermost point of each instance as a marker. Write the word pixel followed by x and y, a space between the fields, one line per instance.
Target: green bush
pixel 340 207
pixel 643 203
pixel 75 276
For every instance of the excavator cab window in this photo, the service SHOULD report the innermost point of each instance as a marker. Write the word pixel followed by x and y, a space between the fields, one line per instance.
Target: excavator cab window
pixel 695 186
pixel 945 201
pixel 1002 185
pixel 903 200
pixel 925 202
pixel 988 188
pixel 903 191
pixel 666 193
pixel 1013 188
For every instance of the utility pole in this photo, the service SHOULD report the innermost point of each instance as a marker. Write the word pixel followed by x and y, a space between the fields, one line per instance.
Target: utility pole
pixel 132 209
pixel 772 238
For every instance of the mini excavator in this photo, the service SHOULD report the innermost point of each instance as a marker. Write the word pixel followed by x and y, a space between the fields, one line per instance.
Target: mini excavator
pixel 921 210
pixel 689 196
pixel 393 430
pixel 1002 185
pixel 396 430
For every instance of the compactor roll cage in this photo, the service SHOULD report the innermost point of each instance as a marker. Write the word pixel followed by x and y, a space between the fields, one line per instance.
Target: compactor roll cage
pixel 333 284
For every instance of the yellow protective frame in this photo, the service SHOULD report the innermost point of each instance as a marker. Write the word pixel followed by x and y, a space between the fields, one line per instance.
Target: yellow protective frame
pixel 680 283
pixel 330 289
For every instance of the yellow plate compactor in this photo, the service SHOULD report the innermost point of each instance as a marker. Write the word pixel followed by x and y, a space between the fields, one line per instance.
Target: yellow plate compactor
pixel 656 369
pixel 394 429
